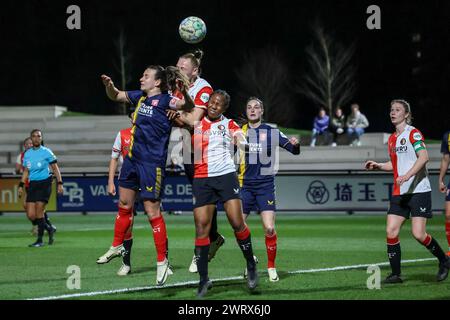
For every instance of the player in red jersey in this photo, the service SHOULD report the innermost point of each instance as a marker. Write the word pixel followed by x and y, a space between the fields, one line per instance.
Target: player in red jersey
pixel 445 161
pixel 119 151
pixel 411 196
pixel 200 91
pixel 215 180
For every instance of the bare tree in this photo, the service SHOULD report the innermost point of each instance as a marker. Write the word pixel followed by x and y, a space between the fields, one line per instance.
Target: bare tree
pixel 265 75
pixel 121 64
pixel 329 82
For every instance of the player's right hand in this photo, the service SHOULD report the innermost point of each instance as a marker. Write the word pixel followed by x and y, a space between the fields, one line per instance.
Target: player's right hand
pixel 371 165
pixel 106 80
pixel 442 187
pixel 111 189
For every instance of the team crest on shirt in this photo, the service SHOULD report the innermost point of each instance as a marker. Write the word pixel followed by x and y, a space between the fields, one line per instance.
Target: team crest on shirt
pixel 403 141
pixel 155 103
pixel 221 127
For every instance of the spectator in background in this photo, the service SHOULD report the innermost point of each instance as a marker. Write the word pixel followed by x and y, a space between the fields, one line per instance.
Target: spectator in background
pixel 320 126
pixel 337 125
pixel 356 123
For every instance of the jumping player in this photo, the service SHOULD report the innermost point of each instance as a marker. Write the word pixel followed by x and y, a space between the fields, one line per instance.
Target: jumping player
pixel 200 91
pixel 143 167
pixel 257 174
pixel 215 180
pixel 411 194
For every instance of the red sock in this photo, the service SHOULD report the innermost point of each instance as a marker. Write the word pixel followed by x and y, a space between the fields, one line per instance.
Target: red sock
pixel 160 237
pixel 271 248
pixel 123 222
pixel 447 232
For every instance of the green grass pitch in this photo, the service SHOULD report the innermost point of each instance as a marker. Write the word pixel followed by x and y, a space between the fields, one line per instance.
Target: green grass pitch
pixel 305 243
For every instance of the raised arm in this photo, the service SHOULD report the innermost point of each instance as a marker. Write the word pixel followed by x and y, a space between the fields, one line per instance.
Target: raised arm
pixel 112 92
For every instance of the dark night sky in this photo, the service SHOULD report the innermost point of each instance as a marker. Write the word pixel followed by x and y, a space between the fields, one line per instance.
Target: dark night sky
pixel 43 62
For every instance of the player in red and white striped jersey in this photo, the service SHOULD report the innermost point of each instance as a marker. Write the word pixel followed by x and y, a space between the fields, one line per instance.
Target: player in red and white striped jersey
pixel 215 180
pixel 119 151
pixel 411 193
pixel 200 91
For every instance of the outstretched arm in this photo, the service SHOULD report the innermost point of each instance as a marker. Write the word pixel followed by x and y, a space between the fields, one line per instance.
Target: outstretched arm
pixel 112 92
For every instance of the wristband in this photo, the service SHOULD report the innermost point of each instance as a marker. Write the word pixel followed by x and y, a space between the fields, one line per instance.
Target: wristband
pixel 21 184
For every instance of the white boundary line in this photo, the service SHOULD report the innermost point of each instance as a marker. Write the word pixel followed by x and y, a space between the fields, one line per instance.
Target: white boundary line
pixel 195 282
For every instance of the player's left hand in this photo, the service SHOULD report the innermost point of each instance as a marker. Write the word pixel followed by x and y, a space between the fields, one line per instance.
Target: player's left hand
pixel 294 141
pixel 401 179
pixel 60 189
pixel 172 114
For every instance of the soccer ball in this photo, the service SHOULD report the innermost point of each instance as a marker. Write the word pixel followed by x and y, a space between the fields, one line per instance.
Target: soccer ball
pixel 192 29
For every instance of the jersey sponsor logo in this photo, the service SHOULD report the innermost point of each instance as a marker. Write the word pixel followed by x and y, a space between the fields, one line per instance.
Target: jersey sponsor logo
pixel 417 136
pixel 155 102
pixel 401 149
pixel 403 141
pixel 146 110
pixel 254 147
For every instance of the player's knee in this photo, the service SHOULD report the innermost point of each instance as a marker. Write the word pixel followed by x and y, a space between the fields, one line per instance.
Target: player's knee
pixel 392 232
pixel 125 204
pixel 270 231
pixel 419 235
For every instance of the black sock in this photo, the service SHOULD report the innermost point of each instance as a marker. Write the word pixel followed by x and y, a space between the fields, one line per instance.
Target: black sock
pixel 202 261
pixel 395 257
pixel 33 222
pixel 435 249
pixel 167 248
pixel 47 220
pixel 127 244
pixel 213 234
pixel 247 250
pixel 41 226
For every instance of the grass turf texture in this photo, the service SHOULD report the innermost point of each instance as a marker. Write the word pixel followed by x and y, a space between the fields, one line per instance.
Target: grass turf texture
pixel 305 242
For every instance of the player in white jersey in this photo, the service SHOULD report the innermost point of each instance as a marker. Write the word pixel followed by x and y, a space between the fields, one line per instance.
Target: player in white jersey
pixel 200 91
pixel 215 180
pixel 411 194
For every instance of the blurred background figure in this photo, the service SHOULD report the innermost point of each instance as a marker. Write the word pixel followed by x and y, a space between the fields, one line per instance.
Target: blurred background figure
pixel 337 125
pixel 320 126
pixel 356 123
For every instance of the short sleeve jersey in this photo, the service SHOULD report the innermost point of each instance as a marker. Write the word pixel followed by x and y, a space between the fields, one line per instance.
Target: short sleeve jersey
pixel 258 165
pixel 213 147
pixel 37 161
pixel 445 145
pixel 151 130
pixel 402 151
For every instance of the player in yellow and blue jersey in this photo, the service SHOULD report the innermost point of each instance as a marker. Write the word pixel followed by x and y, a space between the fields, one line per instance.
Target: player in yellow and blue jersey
pixel 257 174
pixel 143 167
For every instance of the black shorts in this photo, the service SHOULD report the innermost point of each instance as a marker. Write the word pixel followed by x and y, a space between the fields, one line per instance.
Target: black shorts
pixel 39 190
pixel 413 204
pixel 213 189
